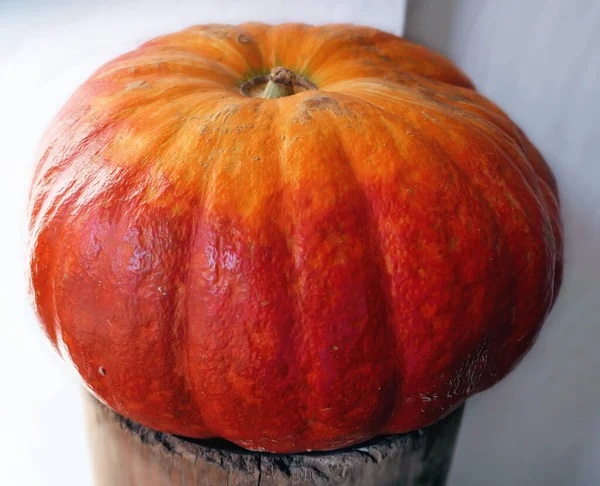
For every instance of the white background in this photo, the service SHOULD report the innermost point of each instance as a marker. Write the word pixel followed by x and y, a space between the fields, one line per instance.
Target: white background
pixel 540 60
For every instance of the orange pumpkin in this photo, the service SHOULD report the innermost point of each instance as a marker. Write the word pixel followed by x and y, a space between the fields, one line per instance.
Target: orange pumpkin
pixel 290 237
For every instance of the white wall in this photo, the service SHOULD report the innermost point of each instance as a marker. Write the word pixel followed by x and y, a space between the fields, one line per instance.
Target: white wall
pixel 540 61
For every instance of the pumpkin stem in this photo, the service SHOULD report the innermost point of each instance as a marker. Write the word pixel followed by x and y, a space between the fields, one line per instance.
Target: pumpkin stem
pixel 278 83
pixel 281 83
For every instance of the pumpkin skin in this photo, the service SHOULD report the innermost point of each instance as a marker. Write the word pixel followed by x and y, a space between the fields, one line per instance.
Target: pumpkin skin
pixel 290 274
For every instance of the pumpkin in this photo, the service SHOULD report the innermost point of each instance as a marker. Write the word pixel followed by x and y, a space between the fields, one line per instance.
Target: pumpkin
pixel 290 237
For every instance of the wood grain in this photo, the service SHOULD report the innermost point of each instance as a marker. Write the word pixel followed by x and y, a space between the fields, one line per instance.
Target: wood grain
pixel 125 453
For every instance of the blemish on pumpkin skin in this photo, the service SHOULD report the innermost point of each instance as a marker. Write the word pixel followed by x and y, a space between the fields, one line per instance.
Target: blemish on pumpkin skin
pixel 430 117
pixel 319 102
pixel 217 31
pixel 452 243
pixel 225 112
pixel 136 85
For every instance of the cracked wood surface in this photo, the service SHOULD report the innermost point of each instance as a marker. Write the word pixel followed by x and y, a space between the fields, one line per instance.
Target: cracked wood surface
pixel 125 453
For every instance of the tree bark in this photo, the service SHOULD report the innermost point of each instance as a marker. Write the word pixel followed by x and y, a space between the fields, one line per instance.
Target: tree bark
pixel 126 453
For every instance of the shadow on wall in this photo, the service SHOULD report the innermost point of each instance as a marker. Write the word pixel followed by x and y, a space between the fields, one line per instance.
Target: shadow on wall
pixel 540 61
pixel 431 23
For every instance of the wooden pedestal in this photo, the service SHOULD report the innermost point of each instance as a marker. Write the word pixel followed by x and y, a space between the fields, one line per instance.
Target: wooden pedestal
pixel 128 454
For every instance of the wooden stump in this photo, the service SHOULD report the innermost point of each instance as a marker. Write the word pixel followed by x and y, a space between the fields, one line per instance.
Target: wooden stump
pixel 126 453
